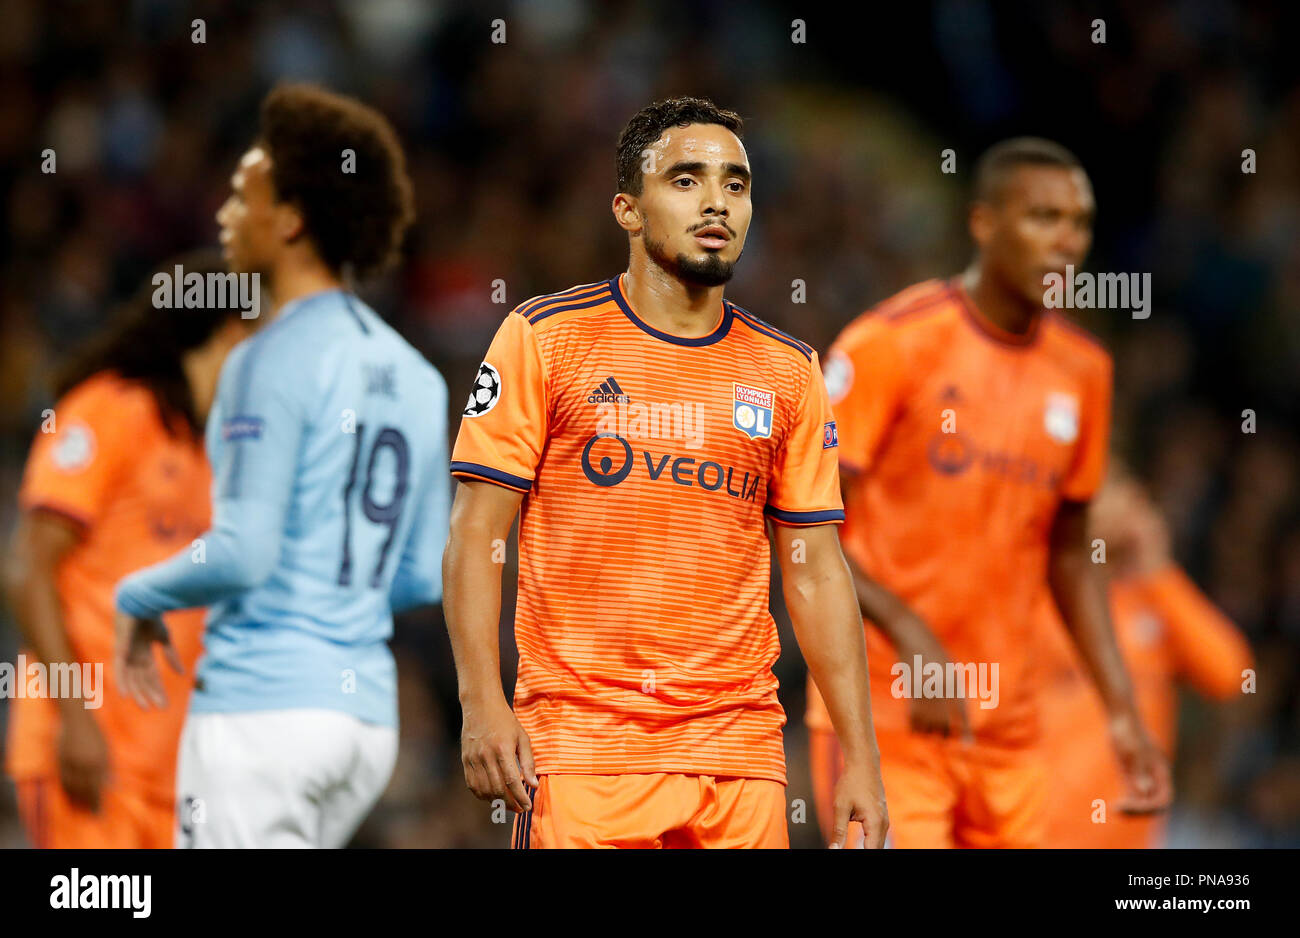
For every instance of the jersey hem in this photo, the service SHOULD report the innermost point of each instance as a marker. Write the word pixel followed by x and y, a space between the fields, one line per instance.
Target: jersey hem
pixel 668 769
pixel 54 508
pixel 125 779
pixel 199 707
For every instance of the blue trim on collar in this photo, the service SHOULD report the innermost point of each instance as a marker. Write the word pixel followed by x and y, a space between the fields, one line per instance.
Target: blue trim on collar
pixel 616 287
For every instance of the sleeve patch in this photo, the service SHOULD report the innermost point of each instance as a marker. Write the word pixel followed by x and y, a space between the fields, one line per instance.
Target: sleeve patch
pixel 242 428
pixel 486 392
pixel 837 372
pixel 75 449
pixel 830 436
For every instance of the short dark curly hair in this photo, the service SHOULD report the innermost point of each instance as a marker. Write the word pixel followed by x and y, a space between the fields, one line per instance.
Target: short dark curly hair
pixel 356 219
pixel 649 123
pixel 998 161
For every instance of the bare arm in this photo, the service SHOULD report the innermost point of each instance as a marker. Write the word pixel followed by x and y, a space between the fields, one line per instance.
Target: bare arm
pixel 910 636
pixel 495 750
pixel 905 629
pixel 818 591
pixel 1080 595
pixel 41 540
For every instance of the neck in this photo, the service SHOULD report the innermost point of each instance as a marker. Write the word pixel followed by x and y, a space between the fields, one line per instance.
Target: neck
pixel 661 300
pixel 1122 565
pixel 202 366
pixel 298 277
pixel 1000 305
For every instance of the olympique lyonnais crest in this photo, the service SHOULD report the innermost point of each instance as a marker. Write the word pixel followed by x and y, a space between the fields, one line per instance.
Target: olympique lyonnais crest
pixel 751 411
pixel 1061 417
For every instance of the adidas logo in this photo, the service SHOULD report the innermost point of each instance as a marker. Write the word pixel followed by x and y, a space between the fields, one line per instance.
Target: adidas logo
pixel 608 393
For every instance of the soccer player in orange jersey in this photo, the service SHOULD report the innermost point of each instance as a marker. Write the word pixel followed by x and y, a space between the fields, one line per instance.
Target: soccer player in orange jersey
pixel 649 430
pixel 116 480
pixel 973 433
pixel 1169 634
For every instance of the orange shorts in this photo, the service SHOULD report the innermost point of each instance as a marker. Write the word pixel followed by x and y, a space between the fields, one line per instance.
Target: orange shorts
pixel 127 818
pixel 653 811
pixel 942 792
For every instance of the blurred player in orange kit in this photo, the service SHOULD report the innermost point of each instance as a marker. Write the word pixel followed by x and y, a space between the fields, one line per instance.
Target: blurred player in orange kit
pixel 1168 632
pixel 650 430
pixel 116 481
pixel 973 434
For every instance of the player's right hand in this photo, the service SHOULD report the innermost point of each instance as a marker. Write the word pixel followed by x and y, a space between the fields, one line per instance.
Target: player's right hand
pixel 943 715
pixel 860 797
pixel 134 664
pixel 83 758
pixel 1146 769
pixel 497 755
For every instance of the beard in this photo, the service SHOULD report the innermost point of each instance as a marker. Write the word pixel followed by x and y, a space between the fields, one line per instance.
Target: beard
pixel 707 271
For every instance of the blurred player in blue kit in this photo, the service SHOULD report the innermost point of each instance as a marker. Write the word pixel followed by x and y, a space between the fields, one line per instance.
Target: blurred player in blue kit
pixel 328 445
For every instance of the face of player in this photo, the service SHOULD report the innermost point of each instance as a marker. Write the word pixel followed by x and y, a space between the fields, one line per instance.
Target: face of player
pixel 694 208
pixel 1111 514
pixel 1041 224
pixel 251 219
pixel 1126 519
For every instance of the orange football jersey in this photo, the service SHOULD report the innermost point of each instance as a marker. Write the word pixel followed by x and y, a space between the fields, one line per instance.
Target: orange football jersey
pixel 651 464
pixel 1168 633
pixel 140 496
pixel 959 441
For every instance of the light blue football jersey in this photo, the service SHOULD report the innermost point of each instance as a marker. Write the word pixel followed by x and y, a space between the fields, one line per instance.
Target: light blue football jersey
pixel 328 444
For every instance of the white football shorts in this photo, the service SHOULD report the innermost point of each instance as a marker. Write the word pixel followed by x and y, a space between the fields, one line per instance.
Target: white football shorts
pixel 279 778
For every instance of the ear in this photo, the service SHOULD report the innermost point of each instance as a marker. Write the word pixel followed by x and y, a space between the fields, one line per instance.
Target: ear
pixel 627 212
pixel 981 221
pixel 289 223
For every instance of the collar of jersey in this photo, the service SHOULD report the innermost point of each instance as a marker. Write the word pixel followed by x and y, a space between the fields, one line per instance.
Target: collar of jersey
pixel 294 305
pixel 987 328
pixel 724 324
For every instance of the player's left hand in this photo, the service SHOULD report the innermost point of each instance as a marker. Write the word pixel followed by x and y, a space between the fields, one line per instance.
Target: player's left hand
pixel 134 663
pixel 1146 770
pixel 860 796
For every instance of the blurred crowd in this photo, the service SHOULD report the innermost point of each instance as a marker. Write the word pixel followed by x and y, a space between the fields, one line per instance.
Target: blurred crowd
pixel 511 150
